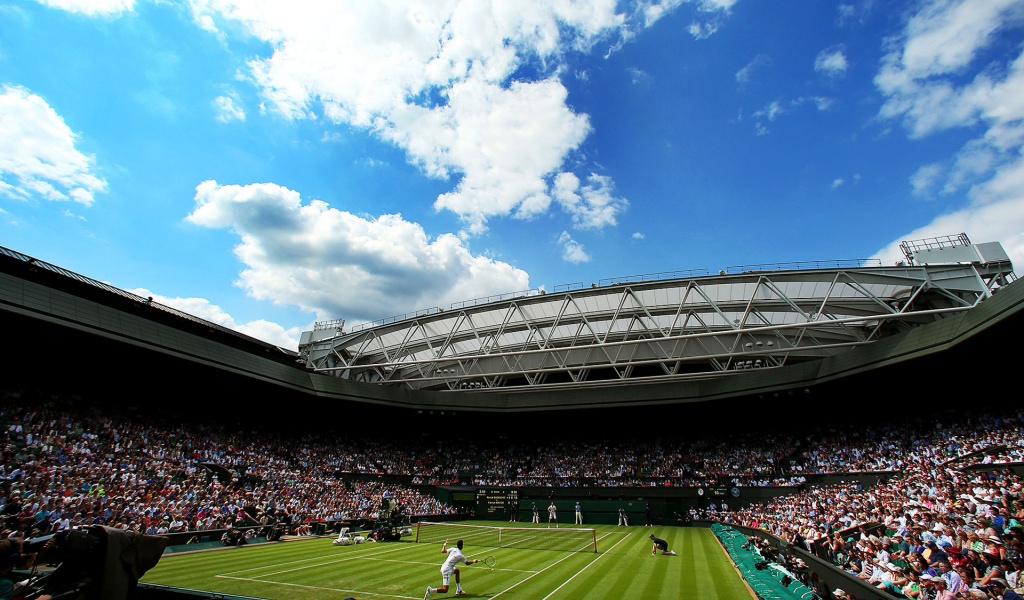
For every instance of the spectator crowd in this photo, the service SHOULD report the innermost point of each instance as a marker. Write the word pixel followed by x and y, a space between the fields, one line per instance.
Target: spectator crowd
pixel 943 506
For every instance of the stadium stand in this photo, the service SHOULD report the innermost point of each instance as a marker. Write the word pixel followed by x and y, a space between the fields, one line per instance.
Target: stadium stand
pixel 897 463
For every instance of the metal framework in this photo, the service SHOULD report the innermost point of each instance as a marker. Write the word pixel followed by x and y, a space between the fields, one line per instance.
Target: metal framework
pixel 708 326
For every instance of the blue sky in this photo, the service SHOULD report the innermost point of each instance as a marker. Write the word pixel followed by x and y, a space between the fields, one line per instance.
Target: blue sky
pixel 267 164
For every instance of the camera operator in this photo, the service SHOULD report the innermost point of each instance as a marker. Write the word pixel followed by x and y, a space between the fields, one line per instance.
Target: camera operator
pixel 11 557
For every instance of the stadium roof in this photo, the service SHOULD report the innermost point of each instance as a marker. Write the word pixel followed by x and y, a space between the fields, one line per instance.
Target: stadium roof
pixel 620 344
pixel 673 329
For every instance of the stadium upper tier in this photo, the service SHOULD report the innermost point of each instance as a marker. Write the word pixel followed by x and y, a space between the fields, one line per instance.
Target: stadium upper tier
pixel 675 329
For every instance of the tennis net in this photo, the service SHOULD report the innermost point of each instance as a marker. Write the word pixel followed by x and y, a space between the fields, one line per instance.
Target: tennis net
pixel 566 539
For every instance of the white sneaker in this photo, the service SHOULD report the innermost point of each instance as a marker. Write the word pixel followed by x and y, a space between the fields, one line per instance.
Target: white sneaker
pixel 430 591
pixel 460 592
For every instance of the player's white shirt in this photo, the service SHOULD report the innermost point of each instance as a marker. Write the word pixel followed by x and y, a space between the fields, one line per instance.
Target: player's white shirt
pixel 455 556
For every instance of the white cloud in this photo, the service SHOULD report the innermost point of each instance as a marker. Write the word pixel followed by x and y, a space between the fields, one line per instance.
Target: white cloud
pixel 841 181
pixel 339 265
pixel 923 180
pixel 921 76
pixel 855 14
pixel 92 8
pixel 712 14
pixel 928 83
pixel 38 157
pixel 1000 221
pixel 260 329
pixel 638 76
pixel 572 251
pixel 777 108
pixel 747 73
pixel 821 103
pixel 703 30
pixel 716 5
pixel 593 205
pixel 435 78
pixel 638 235
pixel 770 112
pixel 507 143
pixel 832 62
pixel 227 110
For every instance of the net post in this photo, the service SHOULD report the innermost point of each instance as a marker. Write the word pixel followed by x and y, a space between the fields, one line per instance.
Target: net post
pixel 594 531
pixel 418 523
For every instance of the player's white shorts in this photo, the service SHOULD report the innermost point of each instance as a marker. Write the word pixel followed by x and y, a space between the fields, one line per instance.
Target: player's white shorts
pixel 446 576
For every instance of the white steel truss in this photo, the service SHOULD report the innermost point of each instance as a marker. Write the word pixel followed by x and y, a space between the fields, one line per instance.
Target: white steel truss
pixel 683 328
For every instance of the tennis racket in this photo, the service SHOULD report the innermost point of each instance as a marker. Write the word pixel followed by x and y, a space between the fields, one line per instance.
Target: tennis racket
pixel 489 561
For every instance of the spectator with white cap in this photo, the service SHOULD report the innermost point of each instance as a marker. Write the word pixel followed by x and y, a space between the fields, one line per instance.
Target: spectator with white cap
pixel 896 580
pixel 942 591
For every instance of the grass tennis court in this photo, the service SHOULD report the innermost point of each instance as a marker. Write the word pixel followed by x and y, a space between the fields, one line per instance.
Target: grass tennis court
pixel 308 569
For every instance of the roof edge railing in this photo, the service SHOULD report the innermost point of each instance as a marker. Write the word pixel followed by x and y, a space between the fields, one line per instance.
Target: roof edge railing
pixel 39 264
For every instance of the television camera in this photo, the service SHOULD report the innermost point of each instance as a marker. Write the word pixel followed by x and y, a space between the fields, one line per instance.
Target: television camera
pixel 93 563
pixel 392 523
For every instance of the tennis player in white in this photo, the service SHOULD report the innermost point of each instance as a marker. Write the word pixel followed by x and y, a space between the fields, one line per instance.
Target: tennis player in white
pixel 455 556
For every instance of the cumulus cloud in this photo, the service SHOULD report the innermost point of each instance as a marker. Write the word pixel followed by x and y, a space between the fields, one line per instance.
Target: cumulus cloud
pixel 509 143
pixel 921 76
pixel 437 79
pixel 572 251
pixel 260 329
pixel 339 265
pixel 38 157
pixel 936 78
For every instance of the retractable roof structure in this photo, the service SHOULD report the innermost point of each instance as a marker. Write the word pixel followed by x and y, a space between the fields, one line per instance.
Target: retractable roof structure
pixel 664 328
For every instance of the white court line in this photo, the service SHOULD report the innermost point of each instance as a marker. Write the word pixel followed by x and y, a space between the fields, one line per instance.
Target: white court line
pixel 340 560
pixel 330 562
pixel 309 566
pixel 438 564
pixel 512 587
pixel 555 591
pixel 317 587
pixel 373 557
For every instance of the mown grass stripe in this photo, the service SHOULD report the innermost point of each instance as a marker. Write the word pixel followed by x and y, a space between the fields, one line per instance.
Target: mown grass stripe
pixel 316 570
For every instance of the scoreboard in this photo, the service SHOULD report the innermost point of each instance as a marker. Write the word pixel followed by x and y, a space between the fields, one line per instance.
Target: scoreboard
pixel 495 502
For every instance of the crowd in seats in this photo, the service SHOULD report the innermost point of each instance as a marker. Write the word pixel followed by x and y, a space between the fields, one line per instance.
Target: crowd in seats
pixel 67 462
pixel 935 517
pixel 63 467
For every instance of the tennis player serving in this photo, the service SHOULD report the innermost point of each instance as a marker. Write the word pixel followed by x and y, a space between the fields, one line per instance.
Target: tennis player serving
pixel 449 567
